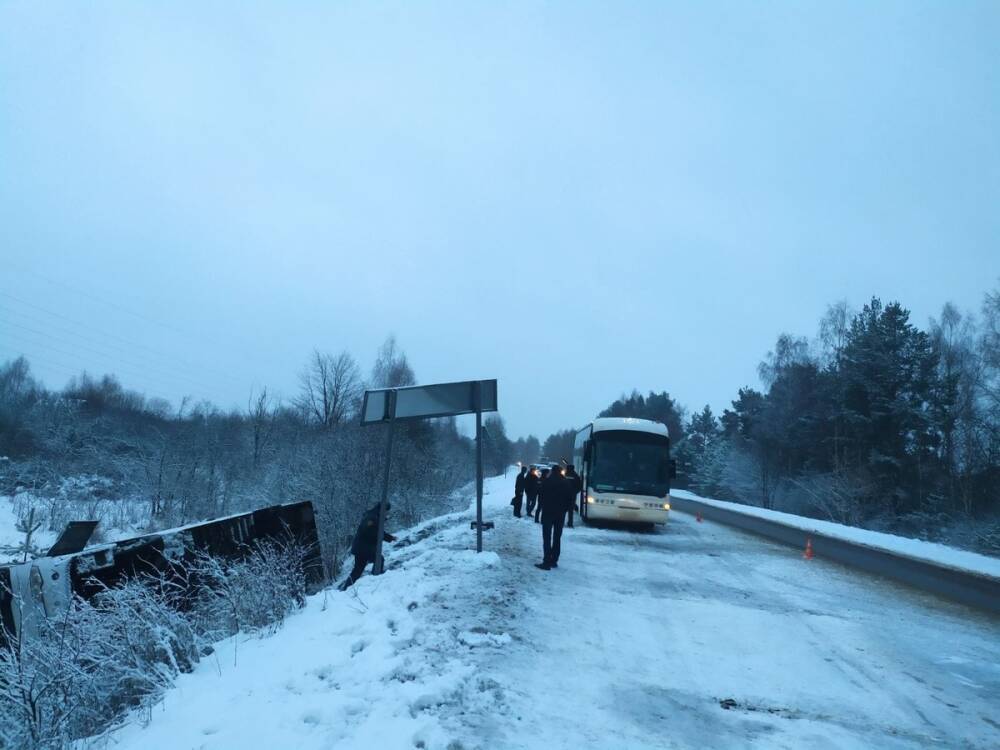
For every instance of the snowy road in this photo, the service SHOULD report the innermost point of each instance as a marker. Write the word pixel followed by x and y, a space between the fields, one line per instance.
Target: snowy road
pixel 696 636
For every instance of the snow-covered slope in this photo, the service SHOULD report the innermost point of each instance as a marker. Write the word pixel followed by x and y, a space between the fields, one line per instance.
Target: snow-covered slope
pixel 695 636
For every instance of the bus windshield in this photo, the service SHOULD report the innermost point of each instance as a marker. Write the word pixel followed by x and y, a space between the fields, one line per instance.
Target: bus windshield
pixel 634 462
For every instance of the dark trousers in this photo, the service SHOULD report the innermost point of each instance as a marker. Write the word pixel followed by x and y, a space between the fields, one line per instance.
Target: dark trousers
pixel 538 509
pixel 551 538
pixel 518 499
pixel 569 518
pixel 360 562
pixel 532 499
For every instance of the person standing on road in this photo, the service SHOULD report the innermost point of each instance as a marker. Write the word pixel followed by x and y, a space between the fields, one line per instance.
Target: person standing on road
pixel 541 492
pixel 575 487
pixel 365 542
pixel 531 489
pixel 555 498
pixel 519 491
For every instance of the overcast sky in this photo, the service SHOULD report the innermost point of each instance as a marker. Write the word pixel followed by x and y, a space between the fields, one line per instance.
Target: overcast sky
pixel 574 198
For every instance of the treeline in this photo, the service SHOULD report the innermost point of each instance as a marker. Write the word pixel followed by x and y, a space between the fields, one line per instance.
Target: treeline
pixel 659 407
pixel 95 449
pixel 875 422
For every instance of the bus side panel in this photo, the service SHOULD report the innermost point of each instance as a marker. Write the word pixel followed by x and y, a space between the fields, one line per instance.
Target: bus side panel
pixel 580 464
pixel 91 572
pixel 298 521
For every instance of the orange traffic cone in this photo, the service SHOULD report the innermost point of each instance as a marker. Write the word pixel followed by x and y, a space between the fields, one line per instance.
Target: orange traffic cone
pixel 698 518
pixel 808 554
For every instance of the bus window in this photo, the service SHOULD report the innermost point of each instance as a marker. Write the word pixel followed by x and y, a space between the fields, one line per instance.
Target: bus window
pixel 632 463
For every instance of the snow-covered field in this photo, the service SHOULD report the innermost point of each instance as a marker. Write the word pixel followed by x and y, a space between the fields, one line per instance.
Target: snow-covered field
pixel 696 636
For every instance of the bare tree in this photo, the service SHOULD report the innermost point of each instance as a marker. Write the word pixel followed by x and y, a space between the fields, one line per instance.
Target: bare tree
pixel 960 370
pixel 262 411
pixel 833 329
pixel 392 370
pixel 330 388
pixel 788 351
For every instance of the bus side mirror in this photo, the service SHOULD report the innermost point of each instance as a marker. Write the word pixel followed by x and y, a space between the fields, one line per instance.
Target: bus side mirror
pixel 673 469
pixel 587 451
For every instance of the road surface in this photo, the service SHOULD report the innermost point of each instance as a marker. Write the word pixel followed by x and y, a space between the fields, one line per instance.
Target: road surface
pixel 695 636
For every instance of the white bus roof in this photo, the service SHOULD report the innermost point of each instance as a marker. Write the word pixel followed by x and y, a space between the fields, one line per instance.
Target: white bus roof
pixel 628 423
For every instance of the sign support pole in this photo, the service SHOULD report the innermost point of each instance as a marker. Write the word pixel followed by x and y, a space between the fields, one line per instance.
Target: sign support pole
pixel 478 397
pixel 379 566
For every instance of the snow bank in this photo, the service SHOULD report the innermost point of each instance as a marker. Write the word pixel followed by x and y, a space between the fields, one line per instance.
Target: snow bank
pixel 917 549
pixel 390 663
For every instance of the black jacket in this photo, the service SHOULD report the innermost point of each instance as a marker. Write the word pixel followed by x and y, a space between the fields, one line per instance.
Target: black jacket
pixel 531 483
pixel 367 535
pixel 576 485
pixel 556 495
pixel 519 483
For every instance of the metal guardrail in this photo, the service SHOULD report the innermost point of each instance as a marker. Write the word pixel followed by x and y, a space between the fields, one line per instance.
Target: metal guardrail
pixel 965 587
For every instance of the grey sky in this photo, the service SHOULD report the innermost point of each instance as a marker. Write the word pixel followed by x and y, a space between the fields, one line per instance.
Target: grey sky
pixel 575 198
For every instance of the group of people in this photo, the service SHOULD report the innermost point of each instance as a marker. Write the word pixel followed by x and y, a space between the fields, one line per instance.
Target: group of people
pixel 551 496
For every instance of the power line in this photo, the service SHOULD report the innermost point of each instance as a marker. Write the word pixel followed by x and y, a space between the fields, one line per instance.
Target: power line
pixel 106 334
pixel 114 305
pixel 172 370
pixel 74 355
pixel 69 370
pixel 112 357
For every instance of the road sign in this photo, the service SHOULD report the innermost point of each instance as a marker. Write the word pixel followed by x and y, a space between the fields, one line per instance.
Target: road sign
pixel 427 401
pixel 388 405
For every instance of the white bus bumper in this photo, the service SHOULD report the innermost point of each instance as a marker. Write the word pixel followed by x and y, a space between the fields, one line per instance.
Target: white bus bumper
pixel 627 509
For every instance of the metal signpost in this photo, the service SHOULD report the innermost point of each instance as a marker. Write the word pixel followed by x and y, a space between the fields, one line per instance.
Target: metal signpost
pixel 388 405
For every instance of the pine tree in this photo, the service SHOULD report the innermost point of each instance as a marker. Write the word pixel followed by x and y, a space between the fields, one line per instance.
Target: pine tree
pixel 889 383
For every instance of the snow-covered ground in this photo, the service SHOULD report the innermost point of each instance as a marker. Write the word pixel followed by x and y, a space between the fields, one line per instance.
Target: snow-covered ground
pixel 695 636
pixel 11 538
pixel 119 518
pixel 918 549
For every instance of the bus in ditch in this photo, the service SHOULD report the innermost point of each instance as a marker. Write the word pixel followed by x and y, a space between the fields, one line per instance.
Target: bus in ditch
pixel 626 469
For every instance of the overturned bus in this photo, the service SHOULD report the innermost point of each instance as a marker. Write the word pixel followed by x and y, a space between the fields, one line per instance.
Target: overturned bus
pixel 45 586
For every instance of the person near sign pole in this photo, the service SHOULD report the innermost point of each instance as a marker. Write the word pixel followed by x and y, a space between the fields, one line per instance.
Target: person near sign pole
pixel 364 545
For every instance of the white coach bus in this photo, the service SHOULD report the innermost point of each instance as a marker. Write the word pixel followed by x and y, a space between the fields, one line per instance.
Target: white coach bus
pixel 626 469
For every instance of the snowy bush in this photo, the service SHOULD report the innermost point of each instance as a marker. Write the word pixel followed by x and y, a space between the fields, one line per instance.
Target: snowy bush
pixel 84 670
pixel 252 595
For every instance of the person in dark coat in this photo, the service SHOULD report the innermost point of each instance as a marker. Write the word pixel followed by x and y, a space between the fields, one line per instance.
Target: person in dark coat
pixel 519 491
pixel 365 542
pixel 576 486
pixel 541 490
pixel 555 499
pixel 531 483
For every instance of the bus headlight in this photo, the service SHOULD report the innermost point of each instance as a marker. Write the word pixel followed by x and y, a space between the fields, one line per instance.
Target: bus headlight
pixel 666 506
pixel 590 499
